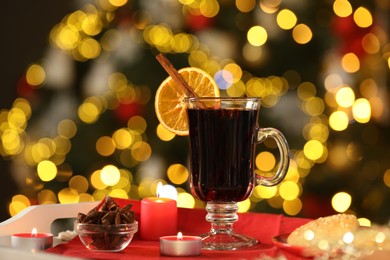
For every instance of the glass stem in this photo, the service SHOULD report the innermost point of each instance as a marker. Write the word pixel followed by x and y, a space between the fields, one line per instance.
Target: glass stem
pixel 221 215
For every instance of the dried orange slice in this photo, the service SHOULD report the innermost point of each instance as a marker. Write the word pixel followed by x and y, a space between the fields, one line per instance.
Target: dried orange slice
pixel 169 101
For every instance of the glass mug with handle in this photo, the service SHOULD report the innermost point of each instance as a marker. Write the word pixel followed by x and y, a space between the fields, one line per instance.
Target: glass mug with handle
pixel 223 134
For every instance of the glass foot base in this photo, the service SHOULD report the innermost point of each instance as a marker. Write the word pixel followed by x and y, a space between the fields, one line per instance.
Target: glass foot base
pixel 226 241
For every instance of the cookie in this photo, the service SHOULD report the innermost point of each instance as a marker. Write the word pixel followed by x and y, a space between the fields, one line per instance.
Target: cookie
pixel 324 232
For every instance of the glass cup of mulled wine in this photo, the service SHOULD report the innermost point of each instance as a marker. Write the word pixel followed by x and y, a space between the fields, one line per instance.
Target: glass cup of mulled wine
pixel 223 134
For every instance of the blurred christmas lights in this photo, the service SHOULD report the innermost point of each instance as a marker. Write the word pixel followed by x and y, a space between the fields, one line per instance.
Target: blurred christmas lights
pixel 99 31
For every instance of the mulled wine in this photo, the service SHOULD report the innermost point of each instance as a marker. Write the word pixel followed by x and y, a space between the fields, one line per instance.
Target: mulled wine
pixel 222 154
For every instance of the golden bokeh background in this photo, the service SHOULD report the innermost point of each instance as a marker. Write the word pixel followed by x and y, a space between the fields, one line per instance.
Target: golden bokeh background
pixel 83 124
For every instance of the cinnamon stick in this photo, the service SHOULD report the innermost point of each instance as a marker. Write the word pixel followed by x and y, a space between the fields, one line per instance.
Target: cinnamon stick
pixel 167 65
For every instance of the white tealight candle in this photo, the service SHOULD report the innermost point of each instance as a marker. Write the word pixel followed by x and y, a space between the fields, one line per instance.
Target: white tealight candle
pixel 32 241
pixel 180 245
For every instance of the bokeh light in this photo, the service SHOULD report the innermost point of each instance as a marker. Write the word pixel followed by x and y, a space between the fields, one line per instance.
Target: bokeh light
pixel 265 161
pixel 177 173
pixel 110 175
pixel 96 181
pixel 164 134
pixel 342 8
pixel 289 190
pixel 338 121
pixel 265 192
pixel 105 146
pixel 313 106
pixel 302 34
pixel 18 203
pixel 68 195
pixel 361 110
pixel 67 128
pixel 362 17
pixel 286 19
pixel 292 207
pixel 244 206
pixel 371 44
pixel 88 113
pixel 350 62
pixel 47 170
pixel 46 196
pixel 89 48
pixel 345 97
pixel 313 150
pixel 79 183
pixel 35 75
pixel 122 138
pixel 185 200
pixel 341 201
pixel 209 8
pixel 141 152
pixel 257 36
pixel 245 5
pixel 270 6
pixel 118 2
pixel 364 222
pixel 386 178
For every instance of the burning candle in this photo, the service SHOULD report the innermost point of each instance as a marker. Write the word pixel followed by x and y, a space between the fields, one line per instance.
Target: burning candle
pixel 32 241
pixel 180 245
pixel 158 217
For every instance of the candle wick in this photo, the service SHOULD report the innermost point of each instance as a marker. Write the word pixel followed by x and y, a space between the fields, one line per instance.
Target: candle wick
pixel 179 236
pixel 34 232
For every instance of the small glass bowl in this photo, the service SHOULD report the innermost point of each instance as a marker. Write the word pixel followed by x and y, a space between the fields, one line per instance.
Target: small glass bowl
pixel 111 238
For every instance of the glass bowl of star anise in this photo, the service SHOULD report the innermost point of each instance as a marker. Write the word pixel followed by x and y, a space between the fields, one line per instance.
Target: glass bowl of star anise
pixel 106 227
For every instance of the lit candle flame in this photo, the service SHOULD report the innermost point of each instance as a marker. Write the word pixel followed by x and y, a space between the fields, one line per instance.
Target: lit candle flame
pixel 166 191
pixel 34 232
pixel 159 189
pixel 179 236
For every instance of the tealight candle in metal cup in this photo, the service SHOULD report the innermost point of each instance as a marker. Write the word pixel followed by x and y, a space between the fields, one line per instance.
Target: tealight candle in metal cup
pixel 180 245
pixel 32 241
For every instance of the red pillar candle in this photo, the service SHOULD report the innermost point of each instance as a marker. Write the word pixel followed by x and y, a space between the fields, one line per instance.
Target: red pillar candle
pixel 32 241
pixel 158 217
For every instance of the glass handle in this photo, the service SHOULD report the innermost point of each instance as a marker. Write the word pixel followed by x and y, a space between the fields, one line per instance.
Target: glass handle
pixel 264 133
